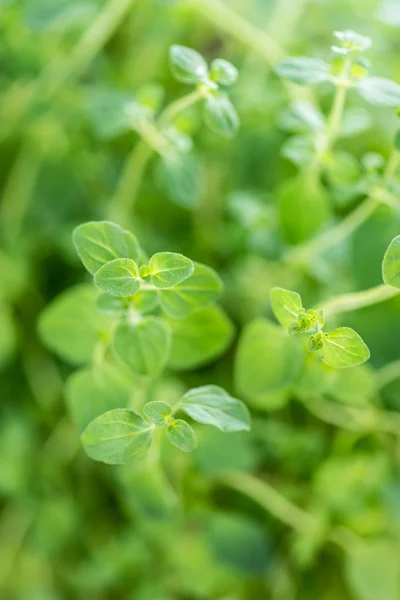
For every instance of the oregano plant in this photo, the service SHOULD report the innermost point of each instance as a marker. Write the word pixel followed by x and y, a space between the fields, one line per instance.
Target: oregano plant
pixel 128 335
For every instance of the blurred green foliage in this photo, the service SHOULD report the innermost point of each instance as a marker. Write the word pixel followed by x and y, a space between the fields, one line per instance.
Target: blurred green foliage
pixel 306 505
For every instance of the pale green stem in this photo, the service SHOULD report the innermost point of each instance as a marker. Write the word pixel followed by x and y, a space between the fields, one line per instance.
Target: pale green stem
pixel 283 509
pixel 389 373
pixel 123 201
pixel 332 237
pixel 356 300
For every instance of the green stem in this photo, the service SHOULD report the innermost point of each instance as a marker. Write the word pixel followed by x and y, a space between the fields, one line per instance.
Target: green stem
pixel 125 196
pixel 356 300
pixel 269 498
pixel 280 507
pixel 332 237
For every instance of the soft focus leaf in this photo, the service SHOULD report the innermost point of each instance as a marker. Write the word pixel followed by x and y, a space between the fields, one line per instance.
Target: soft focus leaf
pixel 373 571
pixel 157 412
pixel 181 435
pixel 303 70
pixel 286 306
pixel 380 91
pixel 187 65
pixel 391 264
pixel 220 115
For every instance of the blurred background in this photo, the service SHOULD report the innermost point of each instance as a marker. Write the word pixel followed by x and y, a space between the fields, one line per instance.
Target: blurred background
pixel 71 528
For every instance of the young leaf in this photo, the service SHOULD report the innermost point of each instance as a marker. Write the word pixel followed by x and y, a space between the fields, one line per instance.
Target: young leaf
pixel 187 65
pixel 117 437
pixel 199 338
pixel 351 41
pixel 119 277
pixel 91 392
pixel 157 412
pixel 223 72
pixel 143 346
pixel 200 289
pixel 181 435
pixel 286 306
pixel 71 326
pixel 380 91
pixel 180 178
pixel 343 347
pixel 99 242
pixel 303 70
pixel 391 263
pixel 220 115
pixel 112 305
pixel 168 269
pixel 212 405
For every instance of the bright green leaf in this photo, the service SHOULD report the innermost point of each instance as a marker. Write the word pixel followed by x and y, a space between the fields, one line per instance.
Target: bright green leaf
pixel 380 91
pixel 187 65
pixel 117 437
pixel 220 115
pixel 212 405
pixel 157 412
pixel 168 269
pixel 143 346
pixel 286 306
pixel 200 289
pixel 119 277
pixel 91 392
pixel 181 435
pixel 99 242
pixel 200 338
pixel 343 347
pixel 71 325
pixel 303 70
pixel 391 263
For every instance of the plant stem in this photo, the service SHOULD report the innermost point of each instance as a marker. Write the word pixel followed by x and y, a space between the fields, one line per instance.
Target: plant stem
pixel 125 196
pixel 332 237
pixel 280 507
pixel 356 300
pixel 269 498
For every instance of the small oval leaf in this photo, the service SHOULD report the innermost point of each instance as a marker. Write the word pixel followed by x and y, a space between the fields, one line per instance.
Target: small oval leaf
pixel 391 264
pixel 181 435
pixel 119 277
pixel 169 269
pixel 342 348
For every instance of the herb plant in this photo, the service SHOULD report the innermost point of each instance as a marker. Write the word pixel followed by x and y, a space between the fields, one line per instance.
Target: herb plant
pixel 209 410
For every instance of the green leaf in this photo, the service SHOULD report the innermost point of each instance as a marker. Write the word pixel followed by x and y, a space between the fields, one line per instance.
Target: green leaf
pixel 223 72
pixel 187 65
pixel 212 405
pixel 117 437
pixel 143 346
pixel 286 306
pixel 109 112
pixel 220 115
pixel 144 301
pixel 351 41
pixel 180 177
pixel 268 362
pixel 200 338
pixel 373 570
pixel 380 91
pixel 99 242
pixel 391 263
pixel 302 117
pixel 181 435
pixel 157 412
pixel 200 289
pixel 91 392
pixel 112 306
pixel 71 325
pixel 304 208
pixel 119 277
pixel 343 347
pixel 303 70
pixel 168 269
